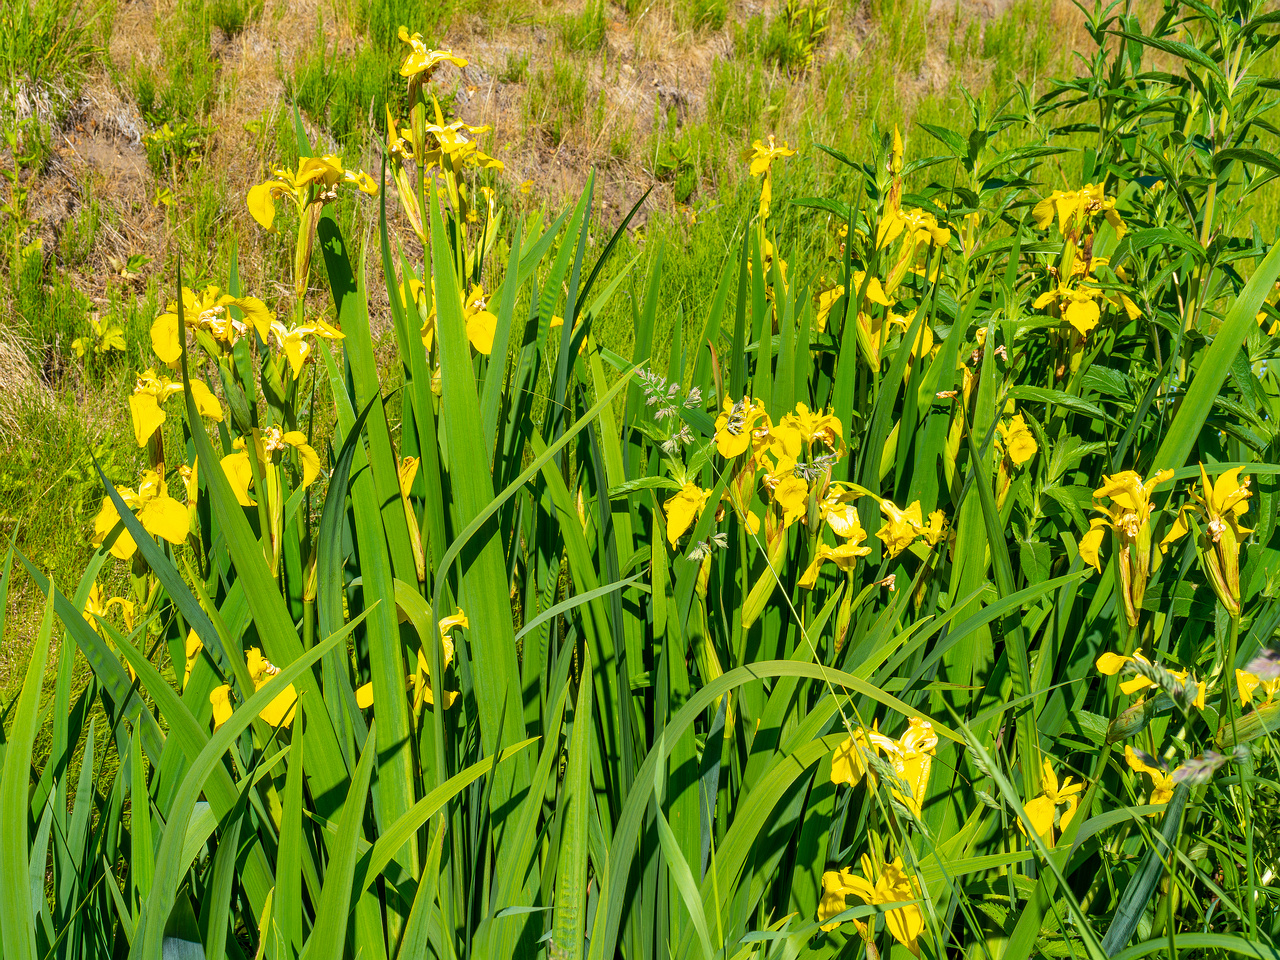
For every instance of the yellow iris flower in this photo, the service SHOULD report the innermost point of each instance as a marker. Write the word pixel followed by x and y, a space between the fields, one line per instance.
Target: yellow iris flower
pixel 1161 779
pixel 814 427
pixel 780 450
pixel 735 426
pixel 193 648
pixel 826 300
pixel 776 450
pixel 683 510
pixel 1109 664
pixel 919 227
pixel 190 477
pixel 159 514
pixel 151 390
pixel 872 326
pixel 297 348
pixel 400 151
pixel 95 608
pixel 874 292
pixel 911 757
pixel 1128 516
pixel 1220 505
pixel 1087 270
pixel 1018 440
pixel 405 472
pixel 790 493
pixel 924 337
pixel 1247 685
pixel 278 712
pixel 421 62
pixel 324 174
pixel 1077 304
pixel 849 761
pixel 452 143
pixel 314 184
pixel 844 555
pixel 481 323
pixel 890 884
pixel 271 441
pixel 1074 209
pixel 919 230
pixel 419 682
pixel 207 310
pixel 842 517
pixel 423 299
pixel 901 527
pixel 1043 811
pixel 935 530
pixel 761 158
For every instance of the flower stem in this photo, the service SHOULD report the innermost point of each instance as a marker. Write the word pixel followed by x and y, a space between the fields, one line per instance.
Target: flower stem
pixel 1228 674
pixel 1229 707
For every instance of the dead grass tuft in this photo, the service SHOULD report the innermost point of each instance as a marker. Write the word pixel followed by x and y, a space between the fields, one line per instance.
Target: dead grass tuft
pixel 21 387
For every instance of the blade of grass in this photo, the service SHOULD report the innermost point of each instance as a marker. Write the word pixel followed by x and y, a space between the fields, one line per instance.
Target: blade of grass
pixel 1143 883
pixel 571 869
pixel 17 934
pixel 1196 404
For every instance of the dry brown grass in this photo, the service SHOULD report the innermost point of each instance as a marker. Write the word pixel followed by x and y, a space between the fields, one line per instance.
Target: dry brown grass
pixel 21 386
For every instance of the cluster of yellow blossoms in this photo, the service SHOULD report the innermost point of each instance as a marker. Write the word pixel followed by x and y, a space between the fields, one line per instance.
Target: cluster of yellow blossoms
pixel 280 711
pixel 160 514
pixel 1214 513
pixel 1219 505
pixel 1078 298
pixel 910 758
pixel 208 318
pixel 1078 294
pixel 793 460
pixel 1076 211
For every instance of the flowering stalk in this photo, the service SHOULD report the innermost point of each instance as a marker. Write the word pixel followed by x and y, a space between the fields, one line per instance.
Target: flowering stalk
pixel 1128 516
